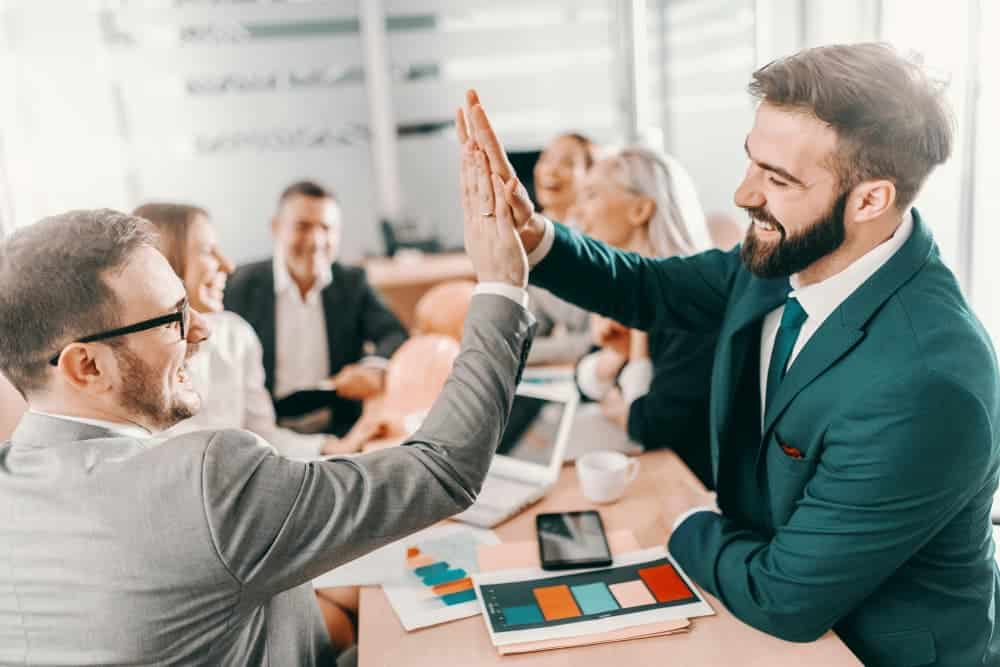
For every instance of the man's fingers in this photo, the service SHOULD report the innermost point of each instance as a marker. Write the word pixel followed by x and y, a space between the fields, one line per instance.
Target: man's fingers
pixel 501 209
pixel 461 127
pixel 469 173
pixel 488 141
pixel 471 100
pixel 484 189
pixel 518 200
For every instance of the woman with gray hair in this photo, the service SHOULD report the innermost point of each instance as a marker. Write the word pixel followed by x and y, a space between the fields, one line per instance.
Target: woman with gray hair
pixel 655 387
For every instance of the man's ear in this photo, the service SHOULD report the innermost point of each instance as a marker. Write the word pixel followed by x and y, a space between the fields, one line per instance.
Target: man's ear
pixel 641 211
pixel 871 199
pixel 88 367
pixel 274 225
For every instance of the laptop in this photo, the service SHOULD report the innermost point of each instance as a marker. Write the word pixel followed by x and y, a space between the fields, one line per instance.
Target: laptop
pixel 531 454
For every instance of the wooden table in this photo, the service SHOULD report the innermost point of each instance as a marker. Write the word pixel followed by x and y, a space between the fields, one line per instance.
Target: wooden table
pixel 714 640
pixel 402 280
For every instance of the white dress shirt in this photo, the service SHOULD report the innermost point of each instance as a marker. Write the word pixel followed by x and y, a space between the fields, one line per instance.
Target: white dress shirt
pixel 228 372
pixel 819 300
pixel 302 357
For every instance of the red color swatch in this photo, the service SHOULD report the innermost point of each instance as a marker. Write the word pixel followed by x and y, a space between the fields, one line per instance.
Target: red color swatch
pixel 665 584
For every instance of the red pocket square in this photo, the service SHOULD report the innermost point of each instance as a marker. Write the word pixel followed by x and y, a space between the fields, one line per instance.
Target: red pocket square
pixel 793 452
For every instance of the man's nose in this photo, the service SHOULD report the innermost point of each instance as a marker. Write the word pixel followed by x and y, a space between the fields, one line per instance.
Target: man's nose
pixel 748 195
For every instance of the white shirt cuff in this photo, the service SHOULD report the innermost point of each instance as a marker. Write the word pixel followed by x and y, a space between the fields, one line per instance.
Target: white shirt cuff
pixel 692 512
pixel 518 295
pixel 635 379
pixel 544 246
pixel 586 378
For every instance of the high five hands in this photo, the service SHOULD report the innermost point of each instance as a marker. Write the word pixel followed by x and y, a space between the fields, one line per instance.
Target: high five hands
pixel 501 225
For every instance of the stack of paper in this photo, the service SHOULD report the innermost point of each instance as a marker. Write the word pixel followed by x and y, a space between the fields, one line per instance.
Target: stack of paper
pixel 643 594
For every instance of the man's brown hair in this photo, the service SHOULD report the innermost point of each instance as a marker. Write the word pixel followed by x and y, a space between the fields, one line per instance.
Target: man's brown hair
pixel 890 117
pixel 53 287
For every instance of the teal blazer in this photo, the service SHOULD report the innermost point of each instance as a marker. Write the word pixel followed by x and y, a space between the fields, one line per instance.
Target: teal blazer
pixel 881 530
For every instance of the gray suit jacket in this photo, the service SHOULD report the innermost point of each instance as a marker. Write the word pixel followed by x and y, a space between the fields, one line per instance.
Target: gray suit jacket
pixel 198 550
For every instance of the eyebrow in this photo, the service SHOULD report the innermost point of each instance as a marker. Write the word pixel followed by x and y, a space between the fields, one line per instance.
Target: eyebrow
pixel 770 167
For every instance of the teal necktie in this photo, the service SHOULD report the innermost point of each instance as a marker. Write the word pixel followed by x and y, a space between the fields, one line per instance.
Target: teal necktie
pixel 784 343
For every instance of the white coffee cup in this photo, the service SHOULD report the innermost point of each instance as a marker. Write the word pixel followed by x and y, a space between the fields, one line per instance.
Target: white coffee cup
pixel 604 476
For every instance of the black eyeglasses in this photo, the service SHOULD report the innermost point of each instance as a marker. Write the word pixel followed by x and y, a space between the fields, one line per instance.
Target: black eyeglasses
pixel 183 316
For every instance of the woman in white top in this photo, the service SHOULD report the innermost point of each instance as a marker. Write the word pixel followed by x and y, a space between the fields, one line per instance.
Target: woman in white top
pixel 641 200
pixel 229 370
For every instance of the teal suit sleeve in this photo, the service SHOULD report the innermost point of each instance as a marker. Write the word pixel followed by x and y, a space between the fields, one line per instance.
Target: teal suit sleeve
pixel 687 293
pixel 893 471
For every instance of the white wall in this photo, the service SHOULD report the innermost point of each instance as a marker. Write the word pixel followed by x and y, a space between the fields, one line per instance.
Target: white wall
pixel 60 137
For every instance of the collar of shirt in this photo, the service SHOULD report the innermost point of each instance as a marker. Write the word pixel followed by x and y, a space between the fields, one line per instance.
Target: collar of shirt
pixel 820 299
pixel 283 281
pixel 127 430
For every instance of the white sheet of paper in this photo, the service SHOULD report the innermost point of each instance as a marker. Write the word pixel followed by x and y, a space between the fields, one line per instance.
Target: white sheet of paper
pixel 415 604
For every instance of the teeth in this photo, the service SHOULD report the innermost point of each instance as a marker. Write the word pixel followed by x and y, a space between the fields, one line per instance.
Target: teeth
pixel 767 226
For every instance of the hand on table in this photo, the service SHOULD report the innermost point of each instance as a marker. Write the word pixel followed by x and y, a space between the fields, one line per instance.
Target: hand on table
pixel 681 497
pixel 357 382
pixel 475 130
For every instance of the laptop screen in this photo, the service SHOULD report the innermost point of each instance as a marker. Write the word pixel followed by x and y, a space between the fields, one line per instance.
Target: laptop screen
pixel 533 430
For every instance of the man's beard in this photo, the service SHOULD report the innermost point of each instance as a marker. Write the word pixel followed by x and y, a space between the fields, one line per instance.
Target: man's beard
pixel 793 253
pixel 142 395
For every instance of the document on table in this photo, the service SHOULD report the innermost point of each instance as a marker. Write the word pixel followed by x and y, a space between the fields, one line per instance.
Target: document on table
pixel 534 609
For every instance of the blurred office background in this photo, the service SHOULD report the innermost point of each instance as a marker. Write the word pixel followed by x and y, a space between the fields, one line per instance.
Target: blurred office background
pixel 224 102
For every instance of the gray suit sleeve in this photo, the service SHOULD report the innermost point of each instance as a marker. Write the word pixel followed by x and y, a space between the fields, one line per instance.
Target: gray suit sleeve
pixel 277 523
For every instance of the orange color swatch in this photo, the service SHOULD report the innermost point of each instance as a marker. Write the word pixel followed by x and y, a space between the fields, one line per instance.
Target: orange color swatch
pixel 556 602
pixel 665 583
pixel 453 587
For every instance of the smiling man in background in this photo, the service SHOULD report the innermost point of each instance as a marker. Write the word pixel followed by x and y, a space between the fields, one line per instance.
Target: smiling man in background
pixel 854 404
pixel 315 316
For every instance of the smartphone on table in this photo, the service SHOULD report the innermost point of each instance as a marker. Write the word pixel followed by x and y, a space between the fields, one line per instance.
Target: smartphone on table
pixel 569 540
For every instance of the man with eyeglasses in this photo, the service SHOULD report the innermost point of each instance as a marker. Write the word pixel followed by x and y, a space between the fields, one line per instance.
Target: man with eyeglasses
pixel 118 547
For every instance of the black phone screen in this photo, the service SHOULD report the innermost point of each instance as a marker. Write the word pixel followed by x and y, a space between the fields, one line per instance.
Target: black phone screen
pixel 572 539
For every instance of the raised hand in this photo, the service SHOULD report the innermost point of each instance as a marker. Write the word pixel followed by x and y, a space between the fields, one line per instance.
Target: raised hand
pixel 474 125
pixel 491 241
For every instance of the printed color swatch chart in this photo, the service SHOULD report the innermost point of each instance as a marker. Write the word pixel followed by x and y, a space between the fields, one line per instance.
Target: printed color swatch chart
pixel 540 603
pixel 641 588
pixel 450 584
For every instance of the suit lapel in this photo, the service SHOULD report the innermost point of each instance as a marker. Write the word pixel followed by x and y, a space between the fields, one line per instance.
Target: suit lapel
pixel 738 340
pixel 830 342
pixel 334 308
pixel 266 314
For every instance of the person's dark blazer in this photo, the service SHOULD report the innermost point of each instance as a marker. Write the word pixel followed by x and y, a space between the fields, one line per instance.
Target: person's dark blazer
pixel 861 501
pixel 674 413
pixel 354 315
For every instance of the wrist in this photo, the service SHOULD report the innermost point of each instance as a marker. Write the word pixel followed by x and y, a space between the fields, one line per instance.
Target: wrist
pixel 532 232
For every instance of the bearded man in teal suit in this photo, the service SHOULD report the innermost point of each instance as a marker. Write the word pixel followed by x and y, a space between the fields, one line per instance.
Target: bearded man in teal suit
pixel 854 397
